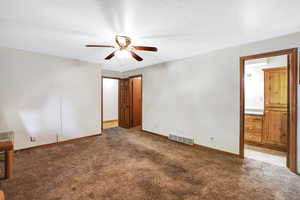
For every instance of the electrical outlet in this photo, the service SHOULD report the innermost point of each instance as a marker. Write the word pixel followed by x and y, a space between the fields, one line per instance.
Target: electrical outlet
pixel 212 139
pixel 32 139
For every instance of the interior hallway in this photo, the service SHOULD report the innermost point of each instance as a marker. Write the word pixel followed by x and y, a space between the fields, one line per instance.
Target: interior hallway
pixel 131 164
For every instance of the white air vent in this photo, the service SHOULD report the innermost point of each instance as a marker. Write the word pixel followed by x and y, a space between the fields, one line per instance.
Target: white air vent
pixel 181 139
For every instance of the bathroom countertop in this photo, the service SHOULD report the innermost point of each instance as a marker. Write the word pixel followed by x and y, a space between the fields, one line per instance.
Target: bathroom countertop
pixel 254 112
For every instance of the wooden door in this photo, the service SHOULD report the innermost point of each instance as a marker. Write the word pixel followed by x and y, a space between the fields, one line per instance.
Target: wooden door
pixel 136 101
pixel 272 89
pixel 276 87
pixel 276 112
pixel 124 103
pixel 275 130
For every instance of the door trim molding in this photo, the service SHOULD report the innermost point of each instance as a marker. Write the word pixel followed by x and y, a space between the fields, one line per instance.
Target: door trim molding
pixel 292 102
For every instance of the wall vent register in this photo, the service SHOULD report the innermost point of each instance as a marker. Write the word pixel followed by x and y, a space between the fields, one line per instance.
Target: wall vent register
pixel 180 139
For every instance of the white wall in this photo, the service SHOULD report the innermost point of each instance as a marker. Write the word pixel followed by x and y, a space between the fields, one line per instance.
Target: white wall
pixel 198 97
pixel 254 88
pixel 110 99
pixel 113 74
pixel 47 97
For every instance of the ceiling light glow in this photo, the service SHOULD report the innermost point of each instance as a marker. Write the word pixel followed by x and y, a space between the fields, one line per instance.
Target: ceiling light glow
pixel 123 53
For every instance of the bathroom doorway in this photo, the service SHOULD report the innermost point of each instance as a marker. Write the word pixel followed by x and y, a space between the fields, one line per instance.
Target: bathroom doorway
pixel 268 105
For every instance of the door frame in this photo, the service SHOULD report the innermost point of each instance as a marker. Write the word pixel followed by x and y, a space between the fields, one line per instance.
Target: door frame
pixel 102 77
pixel 131 100
pixel 292 55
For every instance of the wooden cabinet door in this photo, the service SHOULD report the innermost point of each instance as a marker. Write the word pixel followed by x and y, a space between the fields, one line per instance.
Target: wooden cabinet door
pixel 284 128
pixel 276 87
pixel 253 128
pixel 276 99
pixel 275 127
pixel 124 103
pixel 284 88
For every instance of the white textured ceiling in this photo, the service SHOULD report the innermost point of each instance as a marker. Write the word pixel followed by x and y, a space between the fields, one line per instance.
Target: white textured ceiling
pixel 179 28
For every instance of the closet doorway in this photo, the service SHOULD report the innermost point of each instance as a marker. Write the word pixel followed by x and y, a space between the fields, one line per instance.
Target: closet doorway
pixel 129 102
pixel 110 102
pixel 268 107
pixel 130 106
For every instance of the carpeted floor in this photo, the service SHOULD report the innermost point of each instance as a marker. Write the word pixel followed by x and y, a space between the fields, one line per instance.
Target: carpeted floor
pixel 123 164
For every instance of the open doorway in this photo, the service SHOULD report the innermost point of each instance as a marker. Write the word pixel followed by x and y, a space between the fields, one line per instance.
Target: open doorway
pixel 130 104
pixel 121 102
pixel 110 102
pixel 268 107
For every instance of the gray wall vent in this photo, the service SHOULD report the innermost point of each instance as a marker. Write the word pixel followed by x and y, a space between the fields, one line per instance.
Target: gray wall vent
pixel 180 139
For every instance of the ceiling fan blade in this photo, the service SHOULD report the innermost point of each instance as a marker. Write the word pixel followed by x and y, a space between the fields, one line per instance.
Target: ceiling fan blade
pixel 144 48
pixel 92 45
pixel 135 56
pixel 110 56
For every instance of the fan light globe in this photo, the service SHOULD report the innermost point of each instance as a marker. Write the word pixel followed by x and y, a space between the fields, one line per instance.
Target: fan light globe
pixel 122 40
pixel 123 53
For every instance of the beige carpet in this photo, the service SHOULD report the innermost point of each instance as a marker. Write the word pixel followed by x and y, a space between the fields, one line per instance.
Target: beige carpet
pixel 133 165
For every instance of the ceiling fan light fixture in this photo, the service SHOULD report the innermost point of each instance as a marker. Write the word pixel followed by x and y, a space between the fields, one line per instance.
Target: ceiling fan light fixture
pixel 121 40
pixel 124 49
pixel 123 53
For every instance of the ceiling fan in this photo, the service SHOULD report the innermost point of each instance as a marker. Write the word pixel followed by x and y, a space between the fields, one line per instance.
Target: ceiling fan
pixel 124 49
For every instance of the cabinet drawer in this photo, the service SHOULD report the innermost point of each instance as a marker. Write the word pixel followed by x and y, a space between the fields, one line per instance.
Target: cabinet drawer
pixel 253 128
pixel 253 123
pixel 253 136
